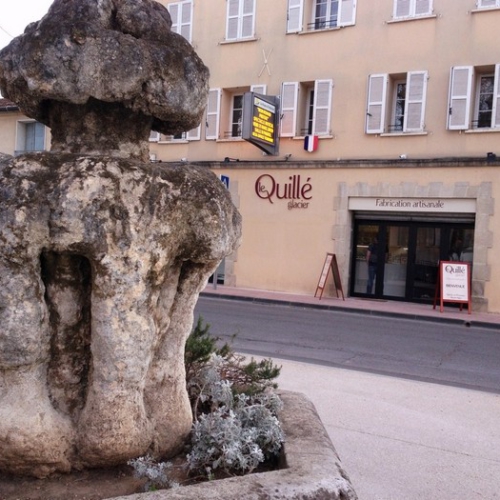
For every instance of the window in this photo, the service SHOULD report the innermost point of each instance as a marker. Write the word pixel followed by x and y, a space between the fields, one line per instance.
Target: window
pixel 488 4
pixel 191 135
pixel 30 137
pixel 306 108
pixel 236 115
pixel 229 104
pixel 396 103
pixel 412 8
pixel 474 101
pixel 182 18
pixel 319 14
pixel 240 19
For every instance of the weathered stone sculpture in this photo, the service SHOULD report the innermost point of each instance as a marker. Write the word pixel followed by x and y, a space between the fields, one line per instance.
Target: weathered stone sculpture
pixel 102 256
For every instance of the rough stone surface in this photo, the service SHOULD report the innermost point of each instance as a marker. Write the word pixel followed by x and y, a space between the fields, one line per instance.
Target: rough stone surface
pixel 311 469
pixel 91 63
pixel 101 263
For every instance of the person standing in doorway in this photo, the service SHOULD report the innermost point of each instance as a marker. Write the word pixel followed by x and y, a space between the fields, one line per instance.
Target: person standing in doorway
pixel 371 260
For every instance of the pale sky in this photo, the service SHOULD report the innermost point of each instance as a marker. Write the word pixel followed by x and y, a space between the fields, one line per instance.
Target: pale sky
pixel 17 14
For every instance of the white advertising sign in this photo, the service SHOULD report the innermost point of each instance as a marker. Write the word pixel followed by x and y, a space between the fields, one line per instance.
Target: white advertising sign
pixel 455 281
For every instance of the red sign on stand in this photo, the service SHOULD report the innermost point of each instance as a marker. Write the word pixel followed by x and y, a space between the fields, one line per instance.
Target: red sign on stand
pixel 453 284
pixel 330 263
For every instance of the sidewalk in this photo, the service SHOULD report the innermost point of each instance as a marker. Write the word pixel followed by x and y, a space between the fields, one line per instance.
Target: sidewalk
pixel 408 310
pixel 398 439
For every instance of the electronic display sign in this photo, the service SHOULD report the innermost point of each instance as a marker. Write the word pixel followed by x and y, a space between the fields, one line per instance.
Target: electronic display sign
pixel 260 121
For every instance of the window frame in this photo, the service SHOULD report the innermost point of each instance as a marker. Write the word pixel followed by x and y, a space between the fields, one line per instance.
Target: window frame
pixel 181 14
pixel 412 10
pixel 297 9
pixel 237 25
pixel 22 129
pixel 295 108
pixel 480 4
pixel 464 97
pixel 381 101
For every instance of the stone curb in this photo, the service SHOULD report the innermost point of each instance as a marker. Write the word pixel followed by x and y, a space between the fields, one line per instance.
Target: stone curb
pixel 312 468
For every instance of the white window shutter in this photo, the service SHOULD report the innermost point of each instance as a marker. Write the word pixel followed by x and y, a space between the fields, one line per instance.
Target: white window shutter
pixel 233 15
pixel 194 134
pixel 154 136
pixel 487 3
pixel 294 16
pixel 416 92
pixel 496 99
pixel 259 88
pixel 322 107
pixel 213 112
pixel 248 19
pixel 186 19
pixel 402 8
pixel 460 97
pixel 377 101
pixel 174 11
pixel 289 94
pixel 347 14
pixel 423 7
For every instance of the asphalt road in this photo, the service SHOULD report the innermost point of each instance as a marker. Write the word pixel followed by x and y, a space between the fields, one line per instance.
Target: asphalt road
pixel 421 350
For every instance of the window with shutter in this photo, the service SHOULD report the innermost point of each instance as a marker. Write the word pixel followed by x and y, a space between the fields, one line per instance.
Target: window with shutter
pixel 347 14
pixel 496 98
pixel 377 97
pixel 194 134
pixel 488 4
pixel 182 18
pixel 289 95
pixel 416 90
pixel 322 107
pixel 240 19
pixel 412 8
pixel 213 111
pixel 460 97
pixel 259 88
pixel 294 16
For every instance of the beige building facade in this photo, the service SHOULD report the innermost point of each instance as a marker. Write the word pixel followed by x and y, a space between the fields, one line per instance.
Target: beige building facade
pixel 400 103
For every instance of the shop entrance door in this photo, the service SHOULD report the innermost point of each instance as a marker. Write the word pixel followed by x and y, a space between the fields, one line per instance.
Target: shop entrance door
pixel 400 259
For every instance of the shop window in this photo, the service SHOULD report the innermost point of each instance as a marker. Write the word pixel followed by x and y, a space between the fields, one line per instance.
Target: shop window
pixel 228 104
pixel 306 108
pixel 240 23
pixel 396 103
pixel 405 9
pixel 474 101
pixel 313 15
pixel 30 137
pixel 182 18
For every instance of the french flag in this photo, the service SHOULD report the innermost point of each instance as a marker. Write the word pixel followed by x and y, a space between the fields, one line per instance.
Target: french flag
pixel 311 143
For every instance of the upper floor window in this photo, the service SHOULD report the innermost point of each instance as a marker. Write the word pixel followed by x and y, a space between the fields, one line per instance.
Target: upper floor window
pixel 30 137
pixel 225 110
pixel 190 135
pixel 396 103
pixel 306 108
pixel 182 18
pixel 488 4
pixel 474 101
pixel 312 15
pixel 240 19
pixel 412 8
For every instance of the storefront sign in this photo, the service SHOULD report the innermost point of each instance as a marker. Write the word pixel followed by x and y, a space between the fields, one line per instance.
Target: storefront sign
pixel 453 285
pixel 294 189
pixel 388 204
pixel 260 121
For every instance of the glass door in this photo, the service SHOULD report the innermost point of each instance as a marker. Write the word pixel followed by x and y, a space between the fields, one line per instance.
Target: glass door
pixel 396 261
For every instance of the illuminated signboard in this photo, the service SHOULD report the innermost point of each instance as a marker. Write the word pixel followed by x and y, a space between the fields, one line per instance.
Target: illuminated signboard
pixel 260 121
